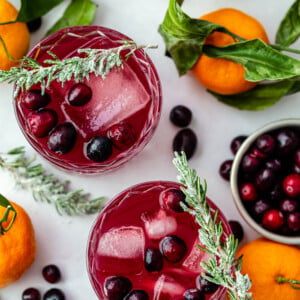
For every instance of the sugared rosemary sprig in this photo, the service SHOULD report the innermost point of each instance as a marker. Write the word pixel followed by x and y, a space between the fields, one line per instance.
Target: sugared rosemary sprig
pixel 97 61
pixel 45 187
pixel 223 267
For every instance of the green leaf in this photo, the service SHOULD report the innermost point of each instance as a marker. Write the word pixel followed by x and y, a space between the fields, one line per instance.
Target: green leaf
pixel 79 12
pixel 32 9
pixel 289 28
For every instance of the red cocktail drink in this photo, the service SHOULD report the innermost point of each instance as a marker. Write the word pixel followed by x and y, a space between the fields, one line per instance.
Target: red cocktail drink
pixel 144 246
pixel 100 123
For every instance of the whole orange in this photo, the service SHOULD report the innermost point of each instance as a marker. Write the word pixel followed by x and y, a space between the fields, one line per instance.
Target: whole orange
pixel 220 75
pixel 15 36
pixel 264 261
pixel 17 246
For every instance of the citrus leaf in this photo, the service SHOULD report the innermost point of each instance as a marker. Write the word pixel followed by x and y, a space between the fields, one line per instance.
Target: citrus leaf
pixel 79 12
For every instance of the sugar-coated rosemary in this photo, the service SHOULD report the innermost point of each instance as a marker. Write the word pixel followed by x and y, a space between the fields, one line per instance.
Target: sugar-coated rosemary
pixel 45 187
pixel 223 267
pixel 97 61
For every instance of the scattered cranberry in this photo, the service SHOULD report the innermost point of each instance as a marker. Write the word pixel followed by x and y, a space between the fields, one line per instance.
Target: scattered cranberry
pixel 236 229
pixel 248 191
pixel 54 294
pixel 122 135
pixel 273 219
pixel 171 199
pixel 173 248
pixel 51 273
pixel 181 116
pixel 79 94
pixel 34 24
pixel 34 99
pixel 193 294
pixel 185 140
pixel 236 143
pixel 31 294
pixel 117 287
pixel 137 295
pixel 205 286
pixel 153 259
pixel 291 185
pixel 293 221
pixel 99 148
pixel 225 169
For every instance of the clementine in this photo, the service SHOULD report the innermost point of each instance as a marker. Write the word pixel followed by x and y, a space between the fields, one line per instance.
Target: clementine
pixel 220 75
pixel 271 267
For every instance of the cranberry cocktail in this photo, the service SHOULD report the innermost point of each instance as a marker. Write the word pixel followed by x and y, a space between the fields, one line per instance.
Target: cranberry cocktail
pixel 144 246
pixel 96 124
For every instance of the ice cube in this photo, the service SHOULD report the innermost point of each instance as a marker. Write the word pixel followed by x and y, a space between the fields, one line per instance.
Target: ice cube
pixel 159 225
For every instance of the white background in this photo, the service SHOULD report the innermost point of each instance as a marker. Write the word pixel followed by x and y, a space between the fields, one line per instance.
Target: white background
pixel 62 240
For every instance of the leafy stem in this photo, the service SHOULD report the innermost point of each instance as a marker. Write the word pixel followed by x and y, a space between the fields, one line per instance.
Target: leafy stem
pixel 9 209
pixel 295 284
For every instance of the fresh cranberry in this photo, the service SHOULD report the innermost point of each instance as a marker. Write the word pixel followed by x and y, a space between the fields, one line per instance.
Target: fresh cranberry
pixel 193 294
pixel 137 295
pixel 288 141
pixel 173 248
pixel 265 179
pixel 122 135
pixel 293 221
pixel 62 138
pixel 236 229
pixel 171 199
pixel 34 99
pixel 266 143
pixel 250 163
pixel 54 294
pixel 274 164
pixel 288 205
pixel 259 208
pixel 180 116
pixel 291 185
pixel 248 191
pixel 236 143
pixel 99 148
pixel 31 294
pixel 205 286
pixel 276 192
pixel 51 273
pixel 153 259
pixel 185 140
pixel 297 158
pixel 79 94
pixel 255 152
pixel 34 24
pixel 41 122
pixel 117 287
pixel 225 169
pixel 273 219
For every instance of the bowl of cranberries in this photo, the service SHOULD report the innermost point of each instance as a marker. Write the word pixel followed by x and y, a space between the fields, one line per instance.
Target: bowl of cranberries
pixel 265 180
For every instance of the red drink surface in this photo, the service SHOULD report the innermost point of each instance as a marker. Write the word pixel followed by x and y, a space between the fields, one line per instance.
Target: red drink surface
pixel 130 94
pixel 132 222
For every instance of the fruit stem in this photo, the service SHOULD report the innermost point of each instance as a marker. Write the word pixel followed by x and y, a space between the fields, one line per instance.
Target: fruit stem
pixel 295 284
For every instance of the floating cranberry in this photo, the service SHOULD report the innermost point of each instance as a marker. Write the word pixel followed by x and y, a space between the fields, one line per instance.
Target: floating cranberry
pixel 250 163
pixel 266 143
pixel 265 179
pixel 273 219
pixel 34 99
pixel 117 287
pixel 122 135
pixel 181 116
pixel 274 164
pixel 137 295
pixel 288 205
pixel 236 229
pixel 293 221
pixel 205 286
pixel 171 199
pixel 291 185
pixel 41 122
pixel 54 294
pixel 51 273
pixel 225 169
pixel 248 191
pixel 153 260
pixel 173 248
pixel 62 138
pixel 99 148
pixel 193 294
pixel 255 152
pixel 31 294
pixel 288 141
pixel 185 140
pixel 259 208
pixel 236 143
pixel 79 94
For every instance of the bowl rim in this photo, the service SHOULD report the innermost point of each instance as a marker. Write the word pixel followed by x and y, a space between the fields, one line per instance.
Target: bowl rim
pixel 234 175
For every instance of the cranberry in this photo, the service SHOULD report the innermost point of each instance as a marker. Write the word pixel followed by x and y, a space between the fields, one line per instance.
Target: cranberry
pixel 293 221
pixel 276 193
pixel 297 158
pixel 34 25
pixel 79 94
pixel 266 143
pixel 51 273
pixel 274 164
pixel 225 169
pixel 137 295
pixel 250 163
pixel 259 208
pixel 265 179
pixel 236 143
pixel 206 286
pixel 273 219
pixel 41 122
pixel 193 294
pixel 99 148
pixel 185 140
pixel 288 205
pixel 54 294
pixel 117 287
pixel 255 152
pixel 288 141
pixel 34 99
pixel 31 294
pixel 248 191
pixel 291 185
pixel 62 138
pixel 236 229
pixel 153 260
pixel 171 199
pixel 122 135
pixel 180 116
pixel 173 248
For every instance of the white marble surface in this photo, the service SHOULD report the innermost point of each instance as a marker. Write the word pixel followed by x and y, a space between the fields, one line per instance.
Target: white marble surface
pixel 62 240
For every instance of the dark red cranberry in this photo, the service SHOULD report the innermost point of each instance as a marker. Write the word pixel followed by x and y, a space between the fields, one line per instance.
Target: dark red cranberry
pixel 259 208
pixel 273 219
pixel 79 94
pixel 265 179
pixel 297 158
pixel 193 294
pixel 258 153
pixel 293 221
pixel 171 199
pixel 41 122
pixel 137 295
pixel 248 191
pixel 117 287
pixel 250 163
pixel 181 116
pixel 236 229
pixel 51 273
pixel 274 164
pixel 34 99
pixel 185 140
pixel 266 143
pixel 236 143
pixel 205 286
pixel 288 141
pixel 99 148
pixel 288 205
pixel 34 25
pixel 31 294
pixel 173 248
pixel 276 193
pixel 153 260
pixel 291 185
pixel 122 135
pixel 62 138
pixel 225 169
pixel 296 169
pixel 54 294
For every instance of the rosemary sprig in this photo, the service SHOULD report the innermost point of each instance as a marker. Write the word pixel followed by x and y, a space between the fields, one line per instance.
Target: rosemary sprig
pixel 45 187
pixel 223 268
pixel 97 61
